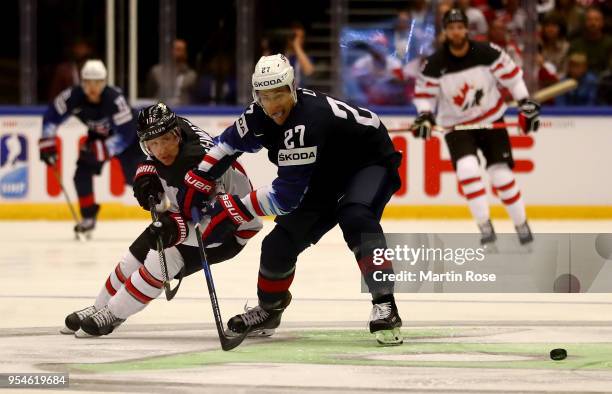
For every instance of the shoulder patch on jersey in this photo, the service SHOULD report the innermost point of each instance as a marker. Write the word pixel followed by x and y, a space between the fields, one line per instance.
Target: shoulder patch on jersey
pixel 241 125
pixel 296 157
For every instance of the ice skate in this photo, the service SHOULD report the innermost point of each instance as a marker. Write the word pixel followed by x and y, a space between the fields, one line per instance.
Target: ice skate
pixel 524 233
pixel 260 321
pixel 85 227
pixel 488 236
pixel 385 323
pixel 73 321
pixel 103 322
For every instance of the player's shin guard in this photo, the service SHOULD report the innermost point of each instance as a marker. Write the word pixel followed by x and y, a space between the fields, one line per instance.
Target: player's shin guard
pixel 145 284
pixel 473 188
pixel 117 278
pixel 508 192
pixel 505 185
pixel 139 289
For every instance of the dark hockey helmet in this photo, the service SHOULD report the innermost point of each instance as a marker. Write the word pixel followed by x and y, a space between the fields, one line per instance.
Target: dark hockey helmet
pixel 454 15
pixel 153 121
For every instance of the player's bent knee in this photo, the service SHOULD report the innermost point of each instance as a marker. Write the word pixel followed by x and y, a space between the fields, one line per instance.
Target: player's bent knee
pixel 468 167
pixel 356 220
pixel 174 263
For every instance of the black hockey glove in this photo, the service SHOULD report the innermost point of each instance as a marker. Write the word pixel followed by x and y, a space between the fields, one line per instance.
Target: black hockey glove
pixel 226 213
pixel 423 125
pixel 170 228
pixel 199 186
pixel 529 115
pixel 147 183
pixel 48 150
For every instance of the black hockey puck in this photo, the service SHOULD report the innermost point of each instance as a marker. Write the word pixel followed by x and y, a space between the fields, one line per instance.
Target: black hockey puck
pixel 558 354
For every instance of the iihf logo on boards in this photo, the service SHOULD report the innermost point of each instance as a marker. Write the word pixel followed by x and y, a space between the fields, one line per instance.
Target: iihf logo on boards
pixel 13 165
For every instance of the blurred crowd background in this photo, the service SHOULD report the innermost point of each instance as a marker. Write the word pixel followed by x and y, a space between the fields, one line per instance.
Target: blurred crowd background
pixel 366 51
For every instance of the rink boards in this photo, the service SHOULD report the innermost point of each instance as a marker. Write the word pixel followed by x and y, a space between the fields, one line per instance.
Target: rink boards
pixel 562 170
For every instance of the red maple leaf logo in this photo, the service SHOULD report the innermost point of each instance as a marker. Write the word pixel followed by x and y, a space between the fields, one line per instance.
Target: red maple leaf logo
pixel 459 99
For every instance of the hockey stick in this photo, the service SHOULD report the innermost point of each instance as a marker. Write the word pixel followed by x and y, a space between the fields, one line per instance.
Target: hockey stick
pixel 227 343
pixel 476 126
pixel 70 207
pixel 170 293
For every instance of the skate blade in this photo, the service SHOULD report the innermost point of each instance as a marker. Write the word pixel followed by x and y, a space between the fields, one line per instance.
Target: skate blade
pixel 66 331
pixel 82 334
pixel 389 337
pixel 266 332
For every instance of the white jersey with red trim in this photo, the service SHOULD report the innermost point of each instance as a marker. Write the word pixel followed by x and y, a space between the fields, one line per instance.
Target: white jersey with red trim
pixel 463 90
pixel 195 144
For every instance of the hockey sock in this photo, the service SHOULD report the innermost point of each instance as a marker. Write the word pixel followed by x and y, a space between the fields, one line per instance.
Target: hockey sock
pixel 116 279
pixel 504 183
pixel 83 183
pixel 470 180
pixel 273 287
pixel 277 265
pixel 364 236
pixel 145 284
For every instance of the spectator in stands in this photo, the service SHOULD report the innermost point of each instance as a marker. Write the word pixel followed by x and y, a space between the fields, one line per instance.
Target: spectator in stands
pixel 400 35
pixel 299 59
pixel 594 43
pixel 216 82
pixel 477 23
pixel 514 18
pixel 66 74
pixel 184 78
pixel 572 14
pixel 586 92
pixel 555 47
pixel 378 74
pixel 546 73
pixel 498 35
pixel 420 8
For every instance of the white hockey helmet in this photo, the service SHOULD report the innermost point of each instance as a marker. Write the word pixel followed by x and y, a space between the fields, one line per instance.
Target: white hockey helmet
pixel 272 72
pixel 93 69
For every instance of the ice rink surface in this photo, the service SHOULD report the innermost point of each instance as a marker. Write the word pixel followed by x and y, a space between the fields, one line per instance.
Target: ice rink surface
pixel 454 343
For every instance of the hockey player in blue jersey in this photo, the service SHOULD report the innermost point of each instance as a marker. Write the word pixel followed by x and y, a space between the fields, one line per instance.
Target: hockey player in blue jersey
pixel 336 165
pixel 111 132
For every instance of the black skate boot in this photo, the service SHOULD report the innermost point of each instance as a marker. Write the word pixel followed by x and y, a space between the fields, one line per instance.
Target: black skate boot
pixel 524 233
pixel 86 226
pixel 385 322
pixel 488 236
pixel 103 322
pixel 260 321
pixel 73 320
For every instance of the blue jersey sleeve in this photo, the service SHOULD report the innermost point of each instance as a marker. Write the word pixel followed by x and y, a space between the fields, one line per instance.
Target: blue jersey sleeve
pixel 236 139
pixel 123 121
pixel 60 109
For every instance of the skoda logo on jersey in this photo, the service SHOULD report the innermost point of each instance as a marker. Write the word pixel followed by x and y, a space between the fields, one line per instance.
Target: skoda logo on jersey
pixel 295 157
pixel 13 165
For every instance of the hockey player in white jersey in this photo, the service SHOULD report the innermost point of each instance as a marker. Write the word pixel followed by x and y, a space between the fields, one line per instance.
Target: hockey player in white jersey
pixel 459 83
pixel 173 146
